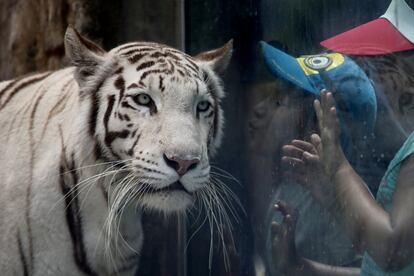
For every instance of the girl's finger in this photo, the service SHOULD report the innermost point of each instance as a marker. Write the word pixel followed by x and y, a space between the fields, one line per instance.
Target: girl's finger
pixel 290 221
pixel 285 209
pixel 330 115
pixel 319 114
pixel 292 151
pixel 311 159
pixel 330 101
pixel 282 207
pixel 335 122
pixel 317 143
pixel 324 105
pixel 315 140
pixel 275 228
pixel 331 118
pixel 305 146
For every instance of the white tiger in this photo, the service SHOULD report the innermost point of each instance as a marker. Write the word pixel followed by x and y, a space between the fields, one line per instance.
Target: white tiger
pixel 81 148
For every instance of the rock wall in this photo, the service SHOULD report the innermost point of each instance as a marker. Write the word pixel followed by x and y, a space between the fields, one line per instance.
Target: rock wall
pixel 32 33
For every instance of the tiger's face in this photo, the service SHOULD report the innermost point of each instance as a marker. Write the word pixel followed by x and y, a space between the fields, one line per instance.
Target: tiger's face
pixel 158 114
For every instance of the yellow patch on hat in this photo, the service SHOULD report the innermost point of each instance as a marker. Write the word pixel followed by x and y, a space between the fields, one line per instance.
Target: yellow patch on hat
pixel 312 65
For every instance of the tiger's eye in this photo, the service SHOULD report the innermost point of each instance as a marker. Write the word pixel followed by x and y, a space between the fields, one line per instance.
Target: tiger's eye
pixel 203 106
pixel 143 99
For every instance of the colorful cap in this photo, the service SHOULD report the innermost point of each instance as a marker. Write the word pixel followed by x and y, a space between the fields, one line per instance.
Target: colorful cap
pixel 352 89
pixel 392 32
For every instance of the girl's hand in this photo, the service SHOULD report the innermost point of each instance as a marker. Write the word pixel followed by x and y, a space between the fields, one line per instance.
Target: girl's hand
pixel 328 145
pixel 284 254
pixel 304 164
pixel 314 164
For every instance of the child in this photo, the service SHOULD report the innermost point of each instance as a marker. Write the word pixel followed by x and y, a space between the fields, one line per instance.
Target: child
pixel 319 236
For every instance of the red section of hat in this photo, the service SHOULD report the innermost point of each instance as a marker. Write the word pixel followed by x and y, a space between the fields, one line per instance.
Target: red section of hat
pixel 377 37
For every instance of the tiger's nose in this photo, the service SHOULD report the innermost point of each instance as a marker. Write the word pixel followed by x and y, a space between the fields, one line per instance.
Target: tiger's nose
pixel 181 164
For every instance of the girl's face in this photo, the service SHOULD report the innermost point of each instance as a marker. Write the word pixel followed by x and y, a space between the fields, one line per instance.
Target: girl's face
pixel 275 120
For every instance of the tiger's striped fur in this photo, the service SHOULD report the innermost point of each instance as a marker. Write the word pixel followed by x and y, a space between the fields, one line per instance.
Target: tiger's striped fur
pixel 85 149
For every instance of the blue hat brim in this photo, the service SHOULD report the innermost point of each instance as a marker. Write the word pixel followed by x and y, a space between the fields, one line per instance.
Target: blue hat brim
pixel 287 67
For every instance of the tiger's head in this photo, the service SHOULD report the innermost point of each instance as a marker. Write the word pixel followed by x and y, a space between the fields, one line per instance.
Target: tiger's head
pixel 155 112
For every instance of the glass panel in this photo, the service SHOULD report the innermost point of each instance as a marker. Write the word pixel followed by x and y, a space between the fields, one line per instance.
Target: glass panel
pixel 265 112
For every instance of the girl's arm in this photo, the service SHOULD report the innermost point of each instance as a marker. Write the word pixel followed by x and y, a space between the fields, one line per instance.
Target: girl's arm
pixel 388 237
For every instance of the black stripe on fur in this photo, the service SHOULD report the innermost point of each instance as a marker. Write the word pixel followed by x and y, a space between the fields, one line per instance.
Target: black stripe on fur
pixel 21 255
pixel 73 217
pixel 21 86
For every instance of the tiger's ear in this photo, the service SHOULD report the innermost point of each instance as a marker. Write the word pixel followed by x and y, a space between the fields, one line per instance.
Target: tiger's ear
pixel 218 59
pixel 83 53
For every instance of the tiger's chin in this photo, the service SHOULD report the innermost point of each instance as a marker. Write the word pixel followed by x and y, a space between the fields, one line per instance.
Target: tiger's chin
pixel 172 199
